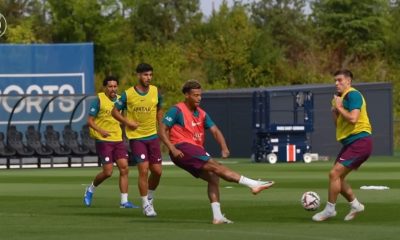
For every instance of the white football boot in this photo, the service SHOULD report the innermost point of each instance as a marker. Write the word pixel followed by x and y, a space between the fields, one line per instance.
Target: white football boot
pixel 323 215
pixel 148 210
pixel 223 220
pixel 261 186
pixel 353 212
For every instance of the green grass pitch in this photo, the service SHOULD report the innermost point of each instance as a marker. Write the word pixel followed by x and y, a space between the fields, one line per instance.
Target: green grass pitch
pixel 47 204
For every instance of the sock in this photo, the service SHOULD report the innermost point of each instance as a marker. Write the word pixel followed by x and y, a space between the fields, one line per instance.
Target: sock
pixel 248 182
pixel 150 194
pixel 91 188
pixel 330 207
pixel 216 209
pixel 355 203
pixel 145 200
pixel 124 197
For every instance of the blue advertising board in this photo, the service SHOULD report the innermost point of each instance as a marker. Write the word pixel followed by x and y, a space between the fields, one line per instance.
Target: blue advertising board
pixel 63 71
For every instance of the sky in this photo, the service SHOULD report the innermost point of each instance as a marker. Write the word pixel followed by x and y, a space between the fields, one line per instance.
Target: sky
pixel 207 5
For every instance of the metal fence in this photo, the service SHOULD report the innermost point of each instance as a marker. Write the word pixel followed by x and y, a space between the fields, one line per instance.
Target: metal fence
pixel 45 131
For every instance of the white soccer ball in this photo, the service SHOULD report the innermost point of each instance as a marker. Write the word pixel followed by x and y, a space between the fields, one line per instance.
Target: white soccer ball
pixel 310 201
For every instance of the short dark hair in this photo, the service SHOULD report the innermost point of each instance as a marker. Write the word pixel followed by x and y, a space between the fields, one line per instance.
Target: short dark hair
pixel 108 79
pixel 143 67
pixel 344 72
pixel 189 85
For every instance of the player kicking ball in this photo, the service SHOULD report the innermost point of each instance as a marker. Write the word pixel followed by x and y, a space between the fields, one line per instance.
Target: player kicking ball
pixel 182 131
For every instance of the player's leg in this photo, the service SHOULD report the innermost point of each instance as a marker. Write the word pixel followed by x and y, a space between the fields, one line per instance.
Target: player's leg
pixel 222 171
pixel 107 170
pixel 120 153
pixel 231 176
pixel 213 185
pixel 123 167
pixel 143 169
pixel 335 183
pixel 155 166
pixel 336 175
pixel 141 155
pixel 193 161
pixel 104 151
pixel 196 158
pixel 346 191
pixel 154 180
pixel 355 205
pixel 213 195
pixel 143 173
pixel 362 149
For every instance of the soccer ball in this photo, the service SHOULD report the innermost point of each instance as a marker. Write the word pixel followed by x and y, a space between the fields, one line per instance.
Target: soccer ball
pixel 310 201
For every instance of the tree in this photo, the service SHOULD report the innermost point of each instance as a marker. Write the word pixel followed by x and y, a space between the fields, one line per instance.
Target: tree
pixel 353 29
pixel 159 21
pixel 284 41
pixel 226 41
pixel 26 21
pixel 95 21
pixel 75 20
pixel 286 22
pixel 393 39
pixel 22 33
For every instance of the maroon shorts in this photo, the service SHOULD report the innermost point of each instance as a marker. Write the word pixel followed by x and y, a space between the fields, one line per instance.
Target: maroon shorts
pixel 110 152
pixel 146 150
pixel 193 160
pixel 356 153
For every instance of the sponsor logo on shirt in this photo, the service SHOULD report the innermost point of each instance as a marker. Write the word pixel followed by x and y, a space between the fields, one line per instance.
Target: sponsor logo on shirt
pixel 194 124
pixel 142 109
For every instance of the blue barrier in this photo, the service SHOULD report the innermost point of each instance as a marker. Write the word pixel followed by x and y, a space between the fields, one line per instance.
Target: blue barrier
pixel 44 70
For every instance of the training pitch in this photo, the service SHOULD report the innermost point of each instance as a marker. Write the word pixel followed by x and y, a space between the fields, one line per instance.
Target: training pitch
pixel 47 204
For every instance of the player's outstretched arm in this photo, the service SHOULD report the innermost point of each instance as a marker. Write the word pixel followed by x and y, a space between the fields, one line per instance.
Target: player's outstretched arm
pixel 219 137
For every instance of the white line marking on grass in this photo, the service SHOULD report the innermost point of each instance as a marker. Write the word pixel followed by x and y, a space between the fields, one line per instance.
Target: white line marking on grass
pixel 167 163
pixel 227 162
